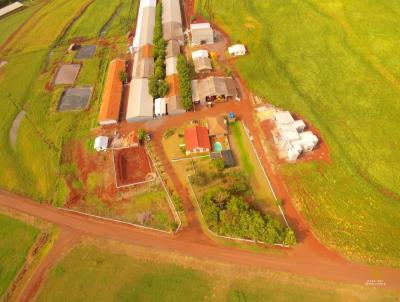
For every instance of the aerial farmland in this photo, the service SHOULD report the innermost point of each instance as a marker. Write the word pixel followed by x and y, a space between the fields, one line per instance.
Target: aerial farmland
pixel 197 150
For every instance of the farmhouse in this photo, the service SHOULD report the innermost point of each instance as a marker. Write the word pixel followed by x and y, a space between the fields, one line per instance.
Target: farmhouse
pixel 173 99
pixel 145 25
pixel 213 89
pixel 201 60
pixel 172 21
pixel 202 33
pixel 110 106
pixel 237 50
pixel 10 8
pixel 101 143
pixel 140 102
pixel 197 140
pixel 291 138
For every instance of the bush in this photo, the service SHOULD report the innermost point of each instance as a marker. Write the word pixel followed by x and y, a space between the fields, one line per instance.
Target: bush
pixel 219 164
pixel 169 132
pixel 185 82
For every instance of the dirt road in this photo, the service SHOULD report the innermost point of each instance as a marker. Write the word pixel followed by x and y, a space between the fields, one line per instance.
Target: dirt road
pixel 311 264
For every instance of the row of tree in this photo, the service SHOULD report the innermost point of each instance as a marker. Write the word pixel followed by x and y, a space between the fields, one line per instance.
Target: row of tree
pixel 185 82
pixel 158 87
pixel 227 213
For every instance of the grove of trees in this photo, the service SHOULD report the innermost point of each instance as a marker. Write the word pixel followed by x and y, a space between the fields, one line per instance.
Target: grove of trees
pixel 185 82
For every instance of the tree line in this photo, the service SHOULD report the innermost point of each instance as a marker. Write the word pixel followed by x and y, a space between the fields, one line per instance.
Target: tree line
pixel 185 82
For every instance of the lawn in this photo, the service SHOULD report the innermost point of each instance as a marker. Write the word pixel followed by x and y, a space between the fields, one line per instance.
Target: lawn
pixel 16 238
pixel 118 273
pixel 335 64
pixel 34 168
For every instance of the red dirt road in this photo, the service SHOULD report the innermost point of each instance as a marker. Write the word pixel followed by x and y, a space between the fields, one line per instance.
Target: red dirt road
pixel 297 263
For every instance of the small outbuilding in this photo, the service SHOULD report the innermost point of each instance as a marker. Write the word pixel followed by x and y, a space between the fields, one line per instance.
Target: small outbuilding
pixel 202 33
pixel 10 8
pixel 160 107
pixel 237 50
pixel 101 143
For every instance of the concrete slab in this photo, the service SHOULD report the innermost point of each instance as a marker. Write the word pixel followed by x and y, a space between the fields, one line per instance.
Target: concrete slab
pixel 75 99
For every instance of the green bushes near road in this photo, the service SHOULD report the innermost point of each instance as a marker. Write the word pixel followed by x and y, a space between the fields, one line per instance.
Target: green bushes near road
pixel 185 82
pixel 158 87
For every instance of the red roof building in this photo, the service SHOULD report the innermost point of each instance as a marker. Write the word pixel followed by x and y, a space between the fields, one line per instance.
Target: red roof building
pixel 197 140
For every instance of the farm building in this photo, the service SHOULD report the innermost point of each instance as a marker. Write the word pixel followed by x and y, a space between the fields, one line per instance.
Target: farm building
pixel 197 140
pixel 101 143
pixel 10 8
pixel 217 126
pixel 213 89
pixel 140 102
pixel 142 67
pixel 170 66
pixel 172 21
pixel 110 106
pixel 145 25
pixel 291 138
pixel 160 107
pixel 201 60
pixel 237 50
pixel 173 49
pixel 202 33
pixel 174 102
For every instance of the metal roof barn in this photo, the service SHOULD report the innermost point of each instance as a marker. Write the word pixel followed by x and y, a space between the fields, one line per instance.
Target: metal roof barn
pixel 170 66
pixel 10 8
pixel 145 24
pixel 202 33
pixel 213 86
pixel 201 53
pixel 173 49
pixel 140 102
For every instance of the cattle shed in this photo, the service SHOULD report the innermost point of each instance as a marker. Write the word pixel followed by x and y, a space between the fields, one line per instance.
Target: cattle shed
pixel 111 102
pixel 202 33
pixel 172 21
pixel 140 102
pixel 142 67
pixel 145 24
pixel 171 66
pixel 10 8
pixel 173 49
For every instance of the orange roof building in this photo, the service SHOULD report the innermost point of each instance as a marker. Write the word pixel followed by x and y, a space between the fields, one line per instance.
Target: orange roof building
pixel 110 106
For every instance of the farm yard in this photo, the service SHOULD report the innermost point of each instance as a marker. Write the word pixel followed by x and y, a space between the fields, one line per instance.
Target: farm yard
pixel 13 253
pixel 345 83
pixel 139 274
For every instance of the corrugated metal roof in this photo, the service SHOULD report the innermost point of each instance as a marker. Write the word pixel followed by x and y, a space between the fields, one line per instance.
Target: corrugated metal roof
pixel 173 31
pixel 213 86
pixel 201 64
pixel 170 66
pixel 140 102
pixel 173 49
pixel 10 8
pixel 171 11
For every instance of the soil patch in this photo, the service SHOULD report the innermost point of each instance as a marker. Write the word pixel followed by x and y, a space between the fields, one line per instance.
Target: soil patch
pixel 132 166
pixel 75 99
pixel 15 127
pixel 67 74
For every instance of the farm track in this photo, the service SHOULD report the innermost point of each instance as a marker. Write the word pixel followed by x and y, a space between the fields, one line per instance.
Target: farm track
pixel 294 261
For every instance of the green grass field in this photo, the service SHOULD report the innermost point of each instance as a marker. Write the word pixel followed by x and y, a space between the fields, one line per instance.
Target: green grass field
pixel 33 52
pixel 336 64
pixel 111 275
pixel 16 238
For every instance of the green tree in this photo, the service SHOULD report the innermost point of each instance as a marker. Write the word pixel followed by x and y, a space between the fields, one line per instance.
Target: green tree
pixel 141 134
pixel 290 237
pixel 185 82
pixel 123 76
pixel 162 88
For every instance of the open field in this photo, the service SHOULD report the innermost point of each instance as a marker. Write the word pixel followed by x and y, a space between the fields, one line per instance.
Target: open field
pixel 143 275
pixel 334 64
pixel 33 53
pixel 16 238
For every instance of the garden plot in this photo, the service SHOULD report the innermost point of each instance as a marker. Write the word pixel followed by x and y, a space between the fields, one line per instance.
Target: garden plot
pixel 75 99
pixel 85 52
pixel 67 74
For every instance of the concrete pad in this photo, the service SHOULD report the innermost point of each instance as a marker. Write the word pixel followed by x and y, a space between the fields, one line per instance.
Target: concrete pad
pixel 67 74
pixel 75 99
pixel 85 52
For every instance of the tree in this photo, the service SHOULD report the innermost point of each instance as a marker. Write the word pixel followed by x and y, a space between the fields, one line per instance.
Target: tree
pixel 162 88
pixel 290 237
pixel 141 134
pixel 153 86
pixel 122 76
pixel 219 164
pixel 185 82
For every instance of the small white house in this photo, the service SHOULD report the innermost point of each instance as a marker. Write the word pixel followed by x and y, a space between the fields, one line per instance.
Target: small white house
pixel 202 53
pixel 160 107
pixel 101 143
pixel 237 50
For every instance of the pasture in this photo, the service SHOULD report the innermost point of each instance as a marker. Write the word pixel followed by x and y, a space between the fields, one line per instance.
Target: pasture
pixel 16 238
pixel 33 52
pixel 335 64
pixel 143 275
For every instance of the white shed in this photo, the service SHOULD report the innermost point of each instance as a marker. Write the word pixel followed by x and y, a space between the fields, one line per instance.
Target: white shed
pixel 202 53
pixel 283 118
pixel 160 107
pixel 101 143
pixel 237 50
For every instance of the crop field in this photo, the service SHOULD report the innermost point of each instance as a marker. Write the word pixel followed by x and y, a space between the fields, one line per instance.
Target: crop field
pixel 336 64
pixel 141 275
pixel 16 240
pixel 32 53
